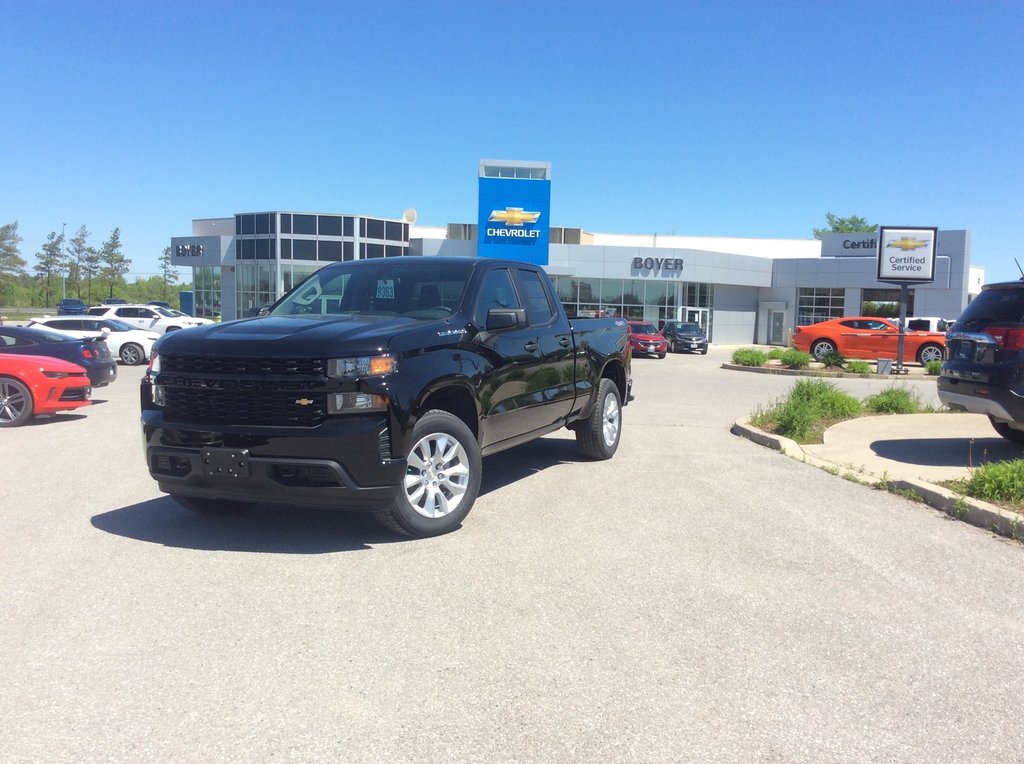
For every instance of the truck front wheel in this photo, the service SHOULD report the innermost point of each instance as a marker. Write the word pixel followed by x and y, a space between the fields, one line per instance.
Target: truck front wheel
pixel 441 481
pixel 598 436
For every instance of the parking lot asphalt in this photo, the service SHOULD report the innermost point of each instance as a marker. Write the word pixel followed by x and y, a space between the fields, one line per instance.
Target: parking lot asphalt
pixel 697 597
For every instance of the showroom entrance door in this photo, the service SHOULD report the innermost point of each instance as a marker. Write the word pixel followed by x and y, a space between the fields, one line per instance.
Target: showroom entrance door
pixel 697 316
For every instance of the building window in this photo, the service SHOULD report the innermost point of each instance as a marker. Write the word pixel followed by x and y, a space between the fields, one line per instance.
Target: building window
pixel 330 225
pixel 816 304
pixel 304 225
pixel 330 251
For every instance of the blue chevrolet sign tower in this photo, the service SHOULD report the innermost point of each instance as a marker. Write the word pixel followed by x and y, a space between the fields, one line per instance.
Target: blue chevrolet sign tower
pixel 514 213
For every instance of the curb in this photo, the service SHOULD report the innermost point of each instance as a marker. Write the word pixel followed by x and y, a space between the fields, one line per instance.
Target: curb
pixel 782 371
pixel 969 510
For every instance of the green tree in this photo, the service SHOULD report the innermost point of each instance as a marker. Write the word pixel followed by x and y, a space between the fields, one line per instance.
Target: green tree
pixel 852 224
pixel 75 255
pixel 168 272
pixel 12 264
pixel 115 264
pixel 92 264
pixel 50 265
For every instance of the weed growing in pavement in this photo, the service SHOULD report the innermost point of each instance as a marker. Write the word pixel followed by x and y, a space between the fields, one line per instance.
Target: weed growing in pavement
pixel 932 368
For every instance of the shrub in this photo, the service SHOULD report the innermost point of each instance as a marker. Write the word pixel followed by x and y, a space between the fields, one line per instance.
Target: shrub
pixel 833 361
pixel 894 400
pixel 830 401
pixel 794 359
pixel 932 368
pixel 858 367
pixel 998 481
pixel 775 354
pixel 749 357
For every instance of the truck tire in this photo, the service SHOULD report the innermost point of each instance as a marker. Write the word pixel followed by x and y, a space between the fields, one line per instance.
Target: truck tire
pixel 212 506
pixel 442 479
pixel 598 436
pixel 1005 431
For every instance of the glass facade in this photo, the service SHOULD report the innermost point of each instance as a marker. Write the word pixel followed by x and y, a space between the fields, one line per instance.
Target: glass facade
pixel 274 251
pixel 634 299
pixel 207 292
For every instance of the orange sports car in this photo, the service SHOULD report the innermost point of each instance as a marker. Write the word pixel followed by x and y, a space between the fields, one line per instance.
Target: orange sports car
pixel 867 337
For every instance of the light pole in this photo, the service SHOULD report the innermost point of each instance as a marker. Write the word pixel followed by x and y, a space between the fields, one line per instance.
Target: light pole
pixel 63 264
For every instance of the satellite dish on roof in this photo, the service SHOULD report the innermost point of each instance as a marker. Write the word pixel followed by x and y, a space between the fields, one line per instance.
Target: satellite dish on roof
pixel 409 216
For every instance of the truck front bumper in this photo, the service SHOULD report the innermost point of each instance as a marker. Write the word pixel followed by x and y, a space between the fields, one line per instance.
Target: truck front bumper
pixel 344 463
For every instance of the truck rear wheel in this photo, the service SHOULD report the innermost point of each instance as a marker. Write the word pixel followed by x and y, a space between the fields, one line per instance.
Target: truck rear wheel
pixel 598 436
pixel 212 506
pixel 442 478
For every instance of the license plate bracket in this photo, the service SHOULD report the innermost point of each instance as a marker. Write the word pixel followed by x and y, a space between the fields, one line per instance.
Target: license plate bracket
pixel 225 462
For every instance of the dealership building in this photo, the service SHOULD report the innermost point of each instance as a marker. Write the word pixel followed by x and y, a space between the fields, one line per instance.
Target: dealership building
pixel 741 290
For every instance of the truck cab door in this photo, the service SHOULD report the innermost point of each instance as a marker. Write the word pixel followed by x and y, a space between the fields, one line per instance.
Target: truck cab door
pixel 513 394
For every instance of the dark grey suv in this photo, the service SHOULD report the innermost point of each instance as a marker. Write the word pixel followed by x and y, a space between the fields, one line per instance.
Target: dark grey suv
pixel 682 335
pixel 984 368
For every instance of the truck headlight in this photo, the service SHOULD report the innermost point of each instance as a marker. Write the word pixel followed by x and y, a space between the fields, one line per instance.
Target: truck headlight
pixel 366 366
pixel 157 391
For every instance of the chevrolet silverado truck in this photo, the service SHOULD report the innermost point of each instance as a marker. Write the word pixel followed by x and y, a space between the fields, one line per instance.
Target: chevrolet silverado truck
pixel 378 385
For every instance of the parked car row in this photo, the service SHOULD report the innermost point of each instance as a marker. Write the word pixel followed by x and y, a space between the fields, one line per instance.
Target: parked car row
pixel 674 337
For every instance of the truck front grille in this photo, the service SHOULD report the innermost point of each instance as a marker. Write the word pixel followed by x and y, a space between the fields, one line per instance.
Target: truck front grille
pixel 267 392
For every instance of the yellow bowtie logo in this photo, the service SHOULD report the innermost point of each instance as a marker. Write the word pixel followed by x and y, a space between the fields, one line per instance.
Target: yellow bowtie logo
pixel 513 216
pixel 907 243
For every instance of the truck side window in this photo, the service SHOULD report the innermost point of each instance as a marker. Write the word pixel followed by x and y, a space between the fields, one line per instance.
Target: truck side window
pixel 496 291
pixel 538 306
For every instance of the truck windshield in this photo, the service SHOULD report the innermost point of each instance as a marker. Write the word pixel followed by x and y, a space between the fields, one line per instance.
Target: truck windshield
pixel 423 289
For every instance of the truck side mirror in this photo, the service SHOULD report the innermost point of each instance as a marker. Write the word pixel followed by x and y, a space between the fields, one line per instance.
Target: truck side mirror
pixel 505 318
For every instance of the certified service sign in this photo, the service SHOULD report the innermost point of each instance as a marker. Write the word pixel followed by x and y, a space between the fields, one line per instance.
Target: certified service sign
pixel 906 254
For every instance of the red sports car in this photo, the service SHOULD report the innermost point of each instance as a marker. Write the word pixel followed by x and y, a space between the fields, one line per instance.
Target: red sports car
pixel 867 337
pixel 34 384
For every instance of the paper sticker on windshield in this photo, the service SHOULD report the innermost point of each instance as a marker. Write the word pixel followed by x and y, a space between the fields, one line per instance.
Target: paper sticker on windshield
pixel 385 289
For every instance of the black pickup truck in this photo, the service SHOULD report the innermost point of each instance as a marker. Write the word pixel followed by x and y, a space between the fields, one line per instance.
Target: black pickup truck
pixel 379 385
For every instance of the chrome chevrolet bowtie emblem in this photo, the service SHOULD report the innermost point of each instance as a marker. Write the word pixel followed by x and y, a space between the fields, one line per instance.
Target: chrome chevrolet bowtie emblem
pixel 303 402
pixel 513 216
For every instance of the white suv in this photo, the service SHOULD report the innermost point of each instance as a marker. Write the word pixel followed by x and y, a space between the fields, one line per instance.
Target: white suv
pixel 148 317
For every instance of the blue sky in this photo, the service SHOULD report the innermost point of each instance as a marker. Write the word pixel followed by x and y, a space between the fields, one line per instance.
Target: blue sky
pixel 745 119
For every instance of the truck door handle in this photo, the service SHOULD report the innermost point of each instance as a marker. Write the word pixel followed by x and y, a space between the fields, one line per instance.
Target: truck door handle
pixel 530 346
pixel 564 342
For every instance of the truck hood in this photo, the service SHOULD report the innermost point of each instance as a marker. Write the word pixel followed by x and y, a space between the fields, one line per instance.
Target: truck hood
pixel 297 336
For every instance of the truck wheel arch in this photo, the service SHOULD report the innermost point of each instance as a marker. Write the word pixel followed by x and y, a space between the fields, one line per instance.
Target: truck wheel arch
pixel 458 401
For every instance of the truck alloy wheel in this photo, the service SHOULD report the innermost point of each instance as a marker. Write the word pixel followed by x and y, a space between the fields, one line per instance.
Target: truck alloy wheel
pixel 441 481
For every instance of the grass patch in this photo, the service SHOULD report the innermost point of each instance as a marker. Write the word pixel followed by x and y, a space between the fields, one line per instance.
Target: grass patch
pixel 811 407
pixel 998 482
pixel 933 368
pixel 749 357
pixel 858 367
pixel 794 359
pixel 894 400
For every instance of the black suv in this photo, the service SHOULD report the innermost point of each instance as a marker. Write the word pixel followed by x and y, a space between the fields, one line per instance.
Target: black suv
pixel 682 335
pixel 984 370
